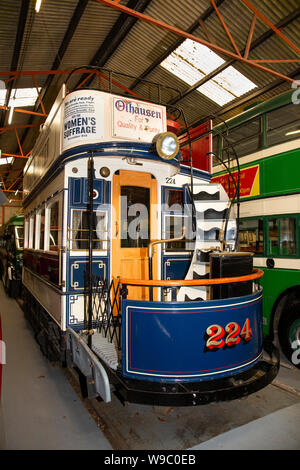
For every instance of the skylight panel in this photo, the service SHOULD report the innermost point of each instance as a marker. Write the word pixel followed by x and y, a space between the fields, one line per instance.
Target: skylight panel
pixel 226 86
pixel 200 56
pixel 216 93
pixel 192 61
pixel 23 97
pixel 2 96
pixel 20 97
pixel 6 160
pixel 182 69
pixel 234 81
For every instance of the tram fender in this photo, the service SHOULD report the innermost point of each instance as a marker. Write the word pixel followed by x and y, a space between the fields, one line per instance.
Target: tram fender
pixel 80 355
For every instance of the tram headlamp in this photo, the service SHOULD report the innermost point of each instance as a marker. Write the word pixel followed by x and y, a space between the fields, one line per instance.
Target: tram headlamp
pixel 166 145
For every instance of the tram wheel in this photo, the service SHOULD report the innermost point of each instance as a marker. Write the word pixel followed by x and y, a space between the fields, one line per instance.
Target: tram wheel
pixel 289 334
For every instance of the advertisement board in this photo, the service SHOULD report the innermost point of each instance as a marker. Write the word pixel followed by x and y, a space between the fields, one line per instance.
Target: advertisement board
pixel 137 120
pixel 249 182
pixel 83 119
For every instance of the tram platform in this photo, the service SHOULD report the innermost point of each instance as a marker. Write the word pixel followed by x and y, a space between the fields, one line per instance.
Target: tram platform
pixel 41 410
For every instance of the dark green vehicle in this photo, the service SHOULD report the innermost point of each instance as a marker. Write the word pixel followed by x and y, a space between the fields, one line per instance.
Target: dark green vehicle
pixel 267 142
pixel 11 254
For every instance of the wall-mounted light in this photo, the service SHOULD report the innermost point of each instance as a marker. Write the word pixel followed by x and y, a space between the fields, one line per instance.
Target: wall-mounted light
pixel 38 5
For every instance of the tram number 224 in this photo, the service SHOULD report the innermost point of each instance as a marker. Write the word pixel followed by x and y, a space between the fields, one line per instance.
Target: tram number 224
pixel 231 335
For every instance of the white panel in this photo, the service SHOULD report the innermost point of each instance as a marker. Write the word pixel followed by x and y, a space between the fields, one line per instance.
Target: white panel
pixel 49 298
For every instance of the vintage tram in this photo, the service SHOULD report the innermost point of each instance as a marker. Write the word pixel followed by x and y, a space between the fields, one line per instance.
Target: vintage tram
pixel 130 271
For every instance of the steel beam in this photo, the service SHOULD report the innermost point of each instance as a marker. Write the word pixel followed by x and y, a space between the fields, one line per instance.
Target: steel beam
pixel 116 35
pixel 180 32
pixel 268 23
pixel 179 41
pixel 258 42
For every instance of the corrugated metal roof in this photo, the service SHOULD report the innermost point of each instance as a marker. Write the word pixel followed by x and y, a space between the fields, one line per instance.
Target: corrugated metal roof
pixel 142 48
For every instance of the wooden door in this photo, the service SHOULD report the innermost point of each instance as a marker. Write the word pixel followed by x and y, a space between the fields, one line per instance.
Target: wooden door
pixel 134 226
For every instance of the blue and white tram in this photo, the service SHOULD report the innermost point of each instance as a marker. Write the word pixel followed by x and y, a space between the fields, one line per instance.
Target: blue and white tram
pixel 129 258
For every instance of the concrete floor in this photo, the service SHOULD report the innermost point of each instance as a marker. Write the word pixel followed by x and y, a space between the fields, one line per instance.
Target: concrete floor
pixel 40 409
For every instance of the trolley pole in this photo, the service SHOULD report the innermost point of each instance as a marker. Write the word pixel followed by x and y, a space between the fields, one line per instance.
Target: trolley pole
pixel 91 175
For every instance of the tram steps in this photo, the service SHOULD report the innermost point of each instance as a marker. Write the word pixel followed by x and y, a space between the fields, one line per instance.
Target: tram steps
pixel 105 350
pixel 212 206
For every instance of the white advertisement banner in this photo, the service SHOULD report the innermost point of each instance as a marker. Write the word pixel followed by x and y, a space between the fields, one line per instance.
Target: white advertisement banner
pixel 83 118
pixel 137 120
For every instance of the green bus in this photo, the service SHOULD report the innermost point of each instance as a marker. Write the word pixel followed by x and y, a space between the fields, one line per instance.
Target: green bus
pixel 264 142
pixel 11 254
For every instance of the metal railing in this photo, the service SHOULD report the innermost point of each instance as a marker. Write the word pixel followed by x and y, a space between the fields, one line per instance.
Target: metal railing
pixel 107 299
pixel 106 308
pixel 175 284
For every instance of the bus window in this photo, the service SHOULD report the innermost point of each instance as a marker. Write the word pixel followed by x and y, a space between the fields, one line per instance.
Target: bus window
pixel 273 237
pixel 251 236
pixel 246 138
pixel 282 124
pixel 287 236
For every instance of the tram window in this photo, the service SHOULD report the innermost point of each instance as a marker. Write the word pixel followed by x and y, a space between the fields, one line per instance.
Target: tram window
pixel 174 199
pixel 245 139
pixel 54 234
pixel 26 233
pixel 173 229
pixel 283 124
pixel 288 236
pixel 273 237
pixel 19 237
pixel 41 230
pixel 32 227
pixel 251 236
pixel 135 217
pixel 80 230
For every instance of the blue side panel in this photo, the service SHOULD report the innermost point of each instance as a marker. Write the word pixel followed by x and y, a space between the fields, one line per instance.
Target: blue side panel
pixel 172 341
pixel 76 261
pixel 79 191
pixel 175 267
pixel 77 267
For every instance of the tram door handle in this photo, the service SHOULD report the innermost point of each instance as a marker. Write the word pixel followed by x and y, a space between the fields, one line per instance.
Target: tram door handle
pixel 61 283
pixel 117 229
